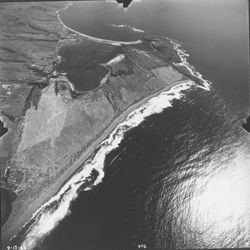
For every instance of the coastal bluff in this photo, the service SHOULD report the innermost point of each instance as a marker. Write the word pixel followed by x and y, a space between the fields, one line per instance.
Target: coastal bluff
pixel 56 128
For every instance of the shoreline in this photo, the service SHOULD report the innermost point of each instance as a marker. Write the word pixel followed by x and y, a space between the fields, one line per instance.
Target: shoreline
pixel 95 39
pixel 70 172
pixel 183 55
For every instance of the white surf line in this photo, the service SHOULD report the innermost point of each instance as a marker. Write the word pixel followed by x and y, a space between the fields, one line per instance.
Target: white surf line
pixel 49 218
pixel 183 56
pixel 100 40
pixel 127 26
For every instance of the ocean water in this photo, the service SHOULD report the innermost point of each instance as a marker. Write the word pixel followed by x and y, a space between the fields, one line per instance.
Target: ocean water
pixel 178 178
pixel 215 34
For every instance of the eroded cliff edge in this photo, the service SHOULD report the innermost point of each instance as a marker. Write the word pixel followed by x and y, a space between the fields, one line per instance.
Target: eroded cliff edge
pixel 53 128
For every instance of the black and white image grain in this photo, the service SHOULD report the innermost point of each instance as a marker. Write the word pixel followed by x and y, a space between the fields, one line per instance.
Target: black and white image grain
pixel 122 128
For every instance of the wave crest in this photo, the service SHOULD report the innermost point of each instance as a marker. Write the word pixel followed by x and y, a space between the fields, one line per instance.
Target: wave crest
pixel 183 55
pixel 47 217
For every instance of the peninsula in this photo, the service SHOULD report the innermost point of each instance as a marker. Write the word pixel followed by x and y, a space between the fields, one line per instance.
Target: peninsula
pixel 52 128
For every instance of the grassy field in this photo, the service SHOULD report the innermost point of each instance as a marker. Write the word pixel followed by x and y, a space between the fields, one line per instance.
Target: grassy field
pixel 58 128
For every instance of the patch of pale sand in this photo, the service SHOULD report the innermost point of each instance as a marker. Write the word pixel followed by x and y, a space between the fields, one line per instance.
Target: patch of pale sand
pixel 45 122
pixel 167 73
pixel 116 59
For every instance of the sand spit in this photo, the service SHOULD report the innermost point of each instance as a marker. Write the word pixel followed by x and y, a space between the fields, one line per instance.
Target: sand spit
pixel 149 80
pixel 95 39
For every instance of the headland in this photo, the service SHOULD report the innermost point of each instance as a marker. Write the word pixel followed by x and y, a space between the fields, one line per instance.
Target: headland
pixel 54 128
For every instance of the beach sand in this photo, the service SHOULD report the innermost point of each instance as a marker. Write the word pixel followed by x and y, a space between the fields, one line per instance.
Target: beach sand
pixel 54 189
pixel 150 76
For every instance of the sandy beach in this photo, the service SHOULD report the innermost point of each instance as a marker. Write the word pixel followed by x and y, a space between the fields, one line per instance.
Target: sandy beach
pixel 95 39
pixel 159 78
pixel 55 188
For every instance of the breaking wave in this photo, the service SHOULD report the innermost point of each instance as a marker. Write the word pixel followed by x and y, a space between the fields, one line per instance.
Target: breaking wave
pixel 95 39
pixel 52 212
pixel 183 57
pixel 128 27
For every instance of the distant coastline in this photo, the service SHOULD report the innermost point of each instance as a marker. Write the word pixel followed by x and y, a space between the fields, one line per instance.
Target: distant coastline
pixel 55 188
pixel 58 188
pixel 95 39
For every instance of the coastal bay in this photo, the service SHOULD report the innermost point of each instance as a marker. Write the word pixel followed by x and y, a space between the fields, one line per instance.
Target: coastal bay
pixel 59 128
pixel 145 152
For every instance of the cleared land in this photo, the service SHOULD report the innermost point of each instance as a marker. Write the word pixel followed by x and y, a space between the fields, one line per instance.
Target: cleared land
pixel 59 128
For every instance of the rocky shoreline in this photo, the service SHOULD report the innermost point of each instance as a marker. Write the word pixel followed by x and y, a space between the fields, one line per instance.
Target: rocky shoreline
pixel 56 128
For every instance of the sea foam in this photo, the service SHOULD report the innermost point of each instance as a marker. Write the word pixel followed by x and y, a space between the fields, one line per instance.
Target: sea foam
pixel 183 55
pixel 47 217
pixel 128 27
pixel 52 212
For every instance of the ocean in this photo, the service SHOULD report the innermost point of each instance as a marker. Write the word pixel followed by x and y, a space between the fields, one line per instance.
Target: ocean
pixel 178 178
pixel 193 156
